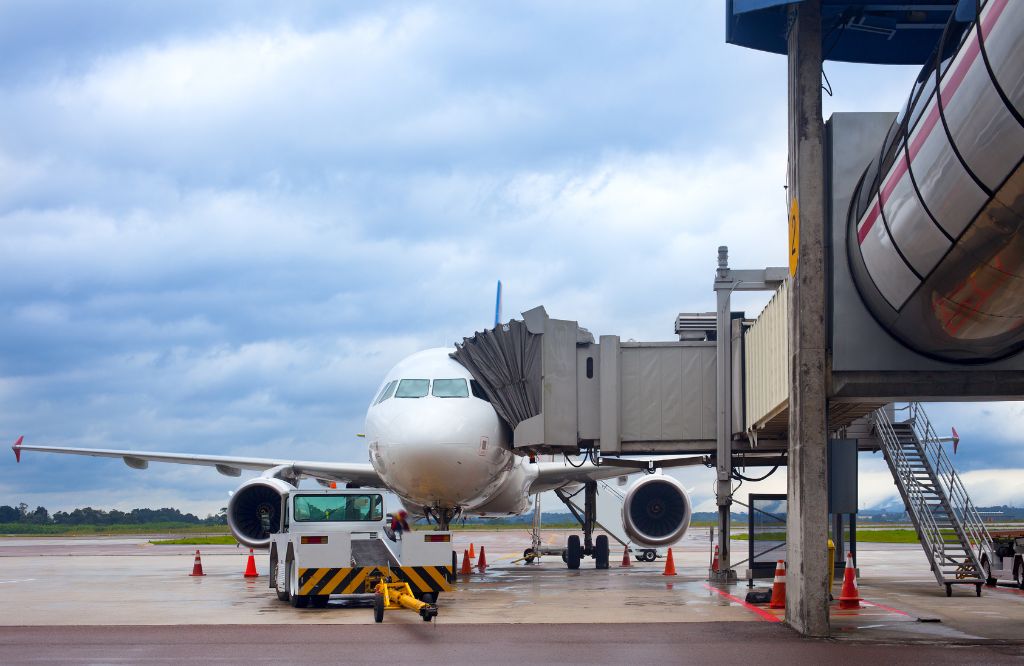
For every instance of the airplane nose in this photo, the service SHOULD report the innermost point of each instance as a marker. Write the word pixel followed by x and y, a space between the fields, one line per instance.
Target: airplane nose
pixel 435 453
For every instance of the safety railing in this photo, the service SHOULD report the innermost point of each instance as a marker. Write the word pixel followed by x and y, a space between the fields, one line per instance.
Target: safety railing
pixel 968 518
pixel 914 491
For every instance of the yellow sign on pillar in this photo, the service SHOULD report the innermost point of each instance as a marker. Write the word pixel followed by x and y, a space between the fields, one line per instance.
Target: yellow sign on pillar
pixel 794 236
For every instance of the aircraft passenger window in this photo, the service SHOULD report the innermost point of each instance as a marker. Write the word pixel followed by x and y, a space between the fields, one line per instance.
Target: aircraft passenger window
pixel 451 388
pixel 412 388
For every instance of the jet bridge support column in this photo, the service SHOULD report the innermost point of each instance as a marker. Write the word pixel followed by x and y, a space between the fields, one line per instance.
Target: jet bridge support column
pixel 728 280
pixel 807 519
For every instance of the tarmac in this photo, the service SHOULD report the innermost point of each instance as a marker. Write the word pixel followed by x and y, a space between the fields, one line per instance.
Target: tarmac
pixel 55 587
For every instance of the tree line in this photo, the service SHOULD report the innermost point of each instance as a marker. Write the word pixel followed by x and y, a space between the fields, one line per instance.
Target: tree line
pixel 91 516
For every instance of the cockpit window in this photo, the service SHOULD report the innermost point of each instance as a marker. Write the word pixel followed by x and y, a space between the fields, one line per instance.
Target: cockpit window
pixel 478 391
pixel 451 388
pixel 386 392
pixel 412 388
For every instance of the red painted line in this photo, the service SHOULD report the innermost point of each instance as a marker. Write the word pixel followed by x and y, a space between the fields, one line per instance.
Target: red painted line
pixel 884 607
pixel 947 88
pixel 763 614
pixel 1006 590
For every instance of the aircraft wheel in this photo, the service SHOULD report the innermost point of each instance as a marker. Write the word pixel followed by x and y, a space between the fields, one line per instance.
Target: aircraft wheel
pixel 1019 576
pixel 297 600
pixel 601 551
pixel 378 608
pixel 573 551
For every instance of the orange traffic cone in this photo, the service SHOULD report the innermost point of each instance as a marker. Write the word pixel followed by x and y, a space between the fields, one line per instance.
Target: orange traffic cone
pixel 779 586
pixel 714 562
pixel 625 557
pixel 670 565
pixel 472 553
pixel 482 562
pixel 197 568
pixel 466 567
pixel 250 566
pixel 849 598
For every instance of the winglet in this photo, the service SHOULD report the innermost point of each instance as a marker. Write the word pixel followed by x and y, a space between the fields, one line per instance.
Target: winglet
pixel 17 449
pixel 956 440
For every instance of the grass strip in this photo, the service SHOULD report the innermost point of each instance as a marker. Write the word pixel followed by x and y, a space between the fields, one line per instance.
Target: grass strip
pixel 226 540
pixel 863 536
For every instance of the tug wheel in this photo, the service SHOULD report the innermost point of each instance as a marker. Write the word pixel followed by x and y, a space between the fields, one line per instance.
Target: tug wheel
pixel 282 590
pixel 297 600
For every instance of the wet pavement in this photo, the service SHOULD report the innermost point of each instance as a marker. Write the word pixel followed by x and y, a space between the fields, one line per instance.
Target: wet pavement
pixel 127 581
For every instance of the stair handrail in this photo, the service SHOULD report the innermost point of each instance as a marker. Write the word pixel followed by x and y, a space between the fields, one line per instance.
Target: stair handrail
pixel 956 493
pixel 912 491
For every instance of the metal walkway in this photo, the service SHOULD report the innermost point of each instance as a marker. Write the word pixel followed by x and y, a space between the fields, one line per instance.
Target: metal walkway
pixel 948 526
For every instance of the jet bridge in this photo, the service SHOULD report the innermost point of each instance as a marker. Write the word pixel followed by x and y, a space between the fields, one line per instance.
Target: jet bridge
pixel 560 391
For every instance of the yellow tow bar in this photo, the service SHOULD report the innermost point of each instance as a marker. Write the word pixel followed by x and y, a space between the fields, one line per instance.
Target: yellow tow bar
pixel 395 596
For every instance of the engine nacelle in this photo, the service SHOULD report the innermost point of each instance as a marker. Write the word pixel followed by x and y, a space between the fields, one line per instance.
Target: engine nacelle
pixel 254 510
pixel 656 511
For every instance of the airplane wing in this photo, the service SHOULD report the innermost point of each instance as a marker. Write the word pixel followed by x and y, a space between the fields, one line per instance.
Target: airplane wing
pixel 357 473
pixel 551 475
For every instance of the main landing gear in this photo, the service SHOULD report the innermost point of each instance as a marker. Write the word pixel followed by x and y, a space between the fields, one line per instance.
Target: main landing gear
pixel 597 548
pixel 575 549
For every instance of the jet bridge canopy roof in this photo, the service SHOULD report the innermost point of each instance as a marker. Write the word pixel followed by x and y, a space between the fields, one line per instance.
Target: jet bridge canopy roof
pixel 884 32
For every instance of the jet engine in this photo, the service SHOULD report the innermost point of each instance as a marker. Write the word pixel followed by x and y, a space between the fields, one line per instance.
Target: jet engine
pixel 254 510
pixel 656 511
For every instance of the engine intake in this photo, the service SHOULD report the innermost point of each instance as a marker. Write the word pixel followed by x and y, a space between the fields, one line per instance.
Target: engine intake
pixel 656 511
pixel 254 510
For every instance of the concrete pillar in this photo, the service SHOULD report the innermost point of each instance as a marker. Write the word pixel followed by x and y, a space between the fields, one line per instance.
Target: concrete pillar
pixel 807 525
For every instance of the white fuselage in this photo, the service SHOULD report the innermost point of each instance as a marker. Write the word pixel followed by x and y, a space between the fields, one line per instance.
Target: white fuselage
pixel 435 444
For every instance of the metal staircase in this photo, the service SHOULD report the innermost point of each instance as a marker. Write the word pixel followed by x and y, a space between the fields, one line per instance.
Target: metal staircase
pixel 948 526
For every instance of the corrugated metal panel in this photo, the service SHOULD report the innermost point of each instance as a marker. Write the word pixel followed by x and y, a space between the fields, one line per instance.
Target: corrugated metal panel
pixel 766 361
pixel 668 391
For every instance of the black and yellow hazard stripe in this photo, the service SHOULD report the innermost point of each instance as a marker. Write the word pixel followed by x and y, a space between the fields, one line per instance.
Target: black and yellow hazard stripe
pixel 357 580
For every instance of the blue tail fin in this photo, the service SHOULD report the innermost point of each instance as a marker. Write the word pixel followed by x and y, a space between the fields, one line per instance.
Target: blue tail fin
pixel 497 306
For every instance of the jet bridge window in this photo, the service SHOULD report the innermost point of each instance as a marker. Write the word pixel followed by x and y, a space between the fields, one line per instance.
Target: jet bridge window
pixel 450 388
pixel 338 508
pixel 412 388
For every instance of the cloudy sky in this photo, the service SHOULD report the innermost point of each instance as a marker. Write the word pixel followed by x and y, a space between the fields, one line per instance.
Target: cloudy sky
pixel 223 222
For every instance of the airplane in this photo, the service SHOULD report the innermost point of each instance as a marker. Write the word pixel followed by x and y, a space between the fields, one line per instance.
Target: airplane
pixel 436 442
